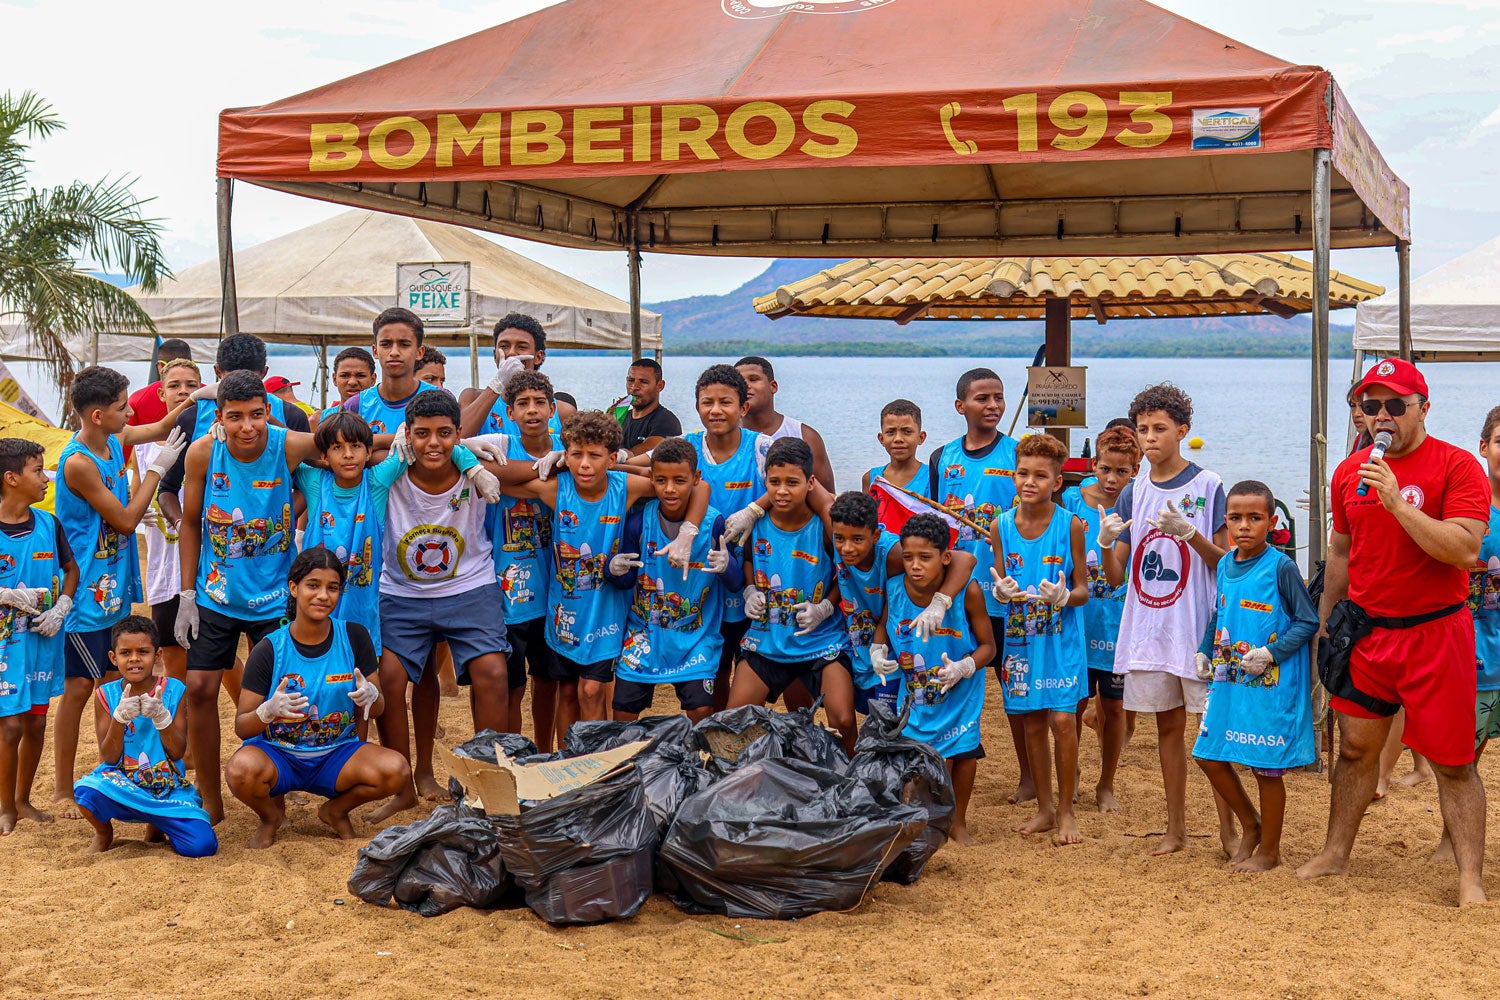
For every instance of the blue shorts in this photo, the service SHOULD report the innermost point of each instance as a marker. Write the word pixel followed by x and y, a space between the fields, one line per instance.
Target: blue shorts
pixel 86 654
pixel 299 773
pixel 470 623
pixel 885 693
pixel 191 838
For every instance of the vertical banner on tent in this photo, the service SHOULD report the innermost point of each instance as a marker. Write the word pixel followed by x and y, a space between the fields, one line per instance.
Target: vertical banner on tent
pixel 13 394
pixel 437 291
pixel 1057 397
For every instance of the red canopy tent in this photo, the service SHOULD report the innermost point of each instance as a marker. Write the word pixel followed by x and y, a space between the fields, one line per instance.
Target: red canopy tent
pixel 846 128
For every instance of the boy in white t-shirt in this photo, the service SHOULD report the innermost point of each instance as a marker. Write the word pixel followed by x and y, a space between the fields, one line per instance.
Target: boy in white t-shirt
pixel 1169 599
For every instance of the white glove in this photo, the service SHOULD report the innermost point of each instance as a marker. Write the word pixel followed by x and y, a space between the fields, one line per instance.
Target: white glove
pixel 623 562
pixel 755 602
pixel 1256 661
pixel 953 671
pixel 1055 594
pixel 128 710
pixel 881 662
pixel 210 391
pixel 737 525
pixel 505 370
pixel 171 448
pixel 810 615
pixel 282 704
pixel 484 449
pixel 1170 522
pixel 1004 588
pixel 485 483
pixel 623 455
pixel 152 707
pixel 48 623
pixel 545 465
pixel 1203 666
pixel 365 693
pixel 679 551
pixel 23 599
pixel 401 448
pixel 1111 527
pixel 185 629
pixel 931 616
pixel 718 557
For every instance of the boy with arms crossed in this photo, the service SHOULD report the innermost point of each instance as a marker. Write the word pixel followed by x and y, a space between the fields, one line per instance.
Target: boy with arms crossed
pixel 36 572
pixel 1044 672
pixel 1171 588
pixel 937 672
pixel 1259 711
pixel 99 516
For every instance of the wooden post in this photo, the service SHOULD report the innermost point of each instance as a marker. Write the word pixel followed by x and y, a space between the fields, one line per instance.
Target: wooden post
pixel 229 306
pixel 634 255
pixel 1403 298
pixel 1059 345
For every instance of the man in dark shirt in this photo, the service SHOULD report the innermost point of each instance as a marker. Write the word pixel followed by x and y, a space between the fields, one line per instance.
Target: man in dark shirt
pixel 647 423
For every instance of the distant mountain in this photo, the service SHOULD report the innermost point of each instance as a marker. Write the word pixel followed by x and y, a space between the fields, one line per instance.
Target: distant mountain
pixel 720 324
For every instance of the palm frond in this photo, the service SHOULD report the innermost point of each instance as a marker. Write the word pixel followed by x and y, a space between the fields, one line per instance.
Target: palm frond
pixel 23 118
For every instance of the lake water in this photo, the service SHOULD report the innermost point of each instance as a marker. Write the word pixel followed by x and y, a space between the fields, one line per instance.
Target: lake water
pixel 1252 414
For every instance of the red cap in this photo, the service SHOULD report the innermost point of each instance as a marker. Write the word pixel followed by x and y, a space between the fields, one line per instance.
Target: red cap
pixel 1401 377
pixel 278 382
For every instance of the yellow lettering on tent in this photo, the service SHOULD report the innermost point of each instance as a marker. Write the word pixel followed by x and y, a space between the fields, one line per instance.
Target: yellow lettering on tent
pixel 530 129
pixel 590 126
pixel 421 143
pixel 673 136
pixel 816 120
pixel 335 146
pixel 640 133
pixel 734 130
pixel 452 132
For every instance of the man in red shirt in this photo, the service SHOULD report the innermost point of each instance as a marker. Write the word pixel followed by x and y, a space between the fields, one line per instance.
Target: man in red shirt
pixel 1402 552
pixel 147 403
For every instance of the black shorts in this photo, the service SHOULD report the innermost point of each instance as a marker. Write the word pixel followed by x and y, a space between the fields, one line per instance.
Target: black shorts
pixel 732 632
pixel 1106 684
pixel 635 697
pixel 778 676
pixel 976 754
pixel 997 626
pixel 564 669
pixel 529 652
pixel 86 654
pixel 219 639
pixel 164 615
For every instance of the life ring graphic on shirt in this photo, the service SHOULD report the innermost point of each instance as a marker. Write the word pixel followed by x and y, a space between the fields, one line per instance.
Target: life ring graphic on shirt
pixel 1159 569
pixel 430 552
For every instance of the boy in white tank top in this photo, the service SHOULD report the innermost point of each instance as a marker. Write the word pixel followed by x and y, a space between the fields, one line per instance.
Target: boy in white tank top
pixel 1169 560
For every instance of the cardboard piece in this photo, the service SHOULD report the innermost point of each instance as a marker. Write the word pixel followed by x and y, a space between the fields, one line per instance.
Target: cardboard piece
pixel 500 788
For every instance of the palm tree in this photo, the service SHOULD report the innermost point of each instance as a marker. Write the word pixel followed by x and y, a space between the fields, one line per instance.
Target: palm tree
pixel 45 234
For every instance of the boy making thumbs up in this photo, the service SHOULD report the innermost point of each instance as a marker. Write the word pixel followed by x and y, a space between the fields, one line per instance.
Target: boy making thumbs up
pixel 1041 578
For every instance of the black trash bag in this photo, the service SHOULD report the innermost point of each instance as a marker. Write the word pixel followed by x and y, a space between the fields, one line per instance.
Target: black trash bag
pixel 780 839
pixel 576 855
pixel 907 771
pixel 468 872
pixel 750 733
pixel 669 774
pixel 596 737
pixel 487 744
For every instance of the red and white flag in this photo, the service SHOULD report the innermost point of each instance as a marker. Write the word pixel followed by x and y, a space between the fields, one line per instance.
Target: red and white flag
pixel 897 506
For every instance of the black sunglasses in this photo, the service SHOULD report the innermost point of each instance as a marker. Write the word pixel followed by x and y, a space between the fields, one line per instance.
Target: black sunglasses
pixel 1372 407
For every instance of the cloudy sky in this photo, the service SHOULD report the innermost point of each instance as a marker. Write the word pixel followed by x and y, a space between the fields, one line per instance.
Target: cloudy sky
pixel 140 86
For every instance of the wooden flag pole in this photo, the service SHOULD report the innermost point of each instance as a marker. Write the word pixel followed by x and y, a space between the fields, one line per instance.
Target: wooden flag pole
pixel 981 529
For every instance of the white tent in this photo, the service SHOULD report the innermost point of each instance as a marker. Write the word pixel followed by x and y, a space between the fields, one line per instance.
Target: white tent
pixel 326 283
pixel 1455 312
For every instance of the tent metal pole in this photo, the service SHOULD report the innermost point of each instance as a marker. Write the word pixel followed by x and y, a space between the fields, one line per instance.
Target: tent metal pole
pixel 323 373
pixel 473 357
pixel 1403 283
pixel 229 306
pixel 1058 316
pixel 1322 197
pixel 633 258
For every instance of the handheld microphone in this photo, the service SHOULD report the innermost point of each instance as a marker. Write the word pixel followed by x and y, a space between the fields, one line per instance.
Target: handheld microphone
pixel 1382 442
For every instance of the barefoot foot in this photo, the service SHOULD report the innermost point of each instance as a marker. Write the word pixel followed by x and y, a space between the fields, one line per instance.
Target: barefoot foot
pixel 1025 792
pixel 429 789
pixel 67 808
pixel 1413 779
pixel 1443 853
pixel 337 820
pixel 1040 823
pixel 1248 845
pixel 1105 796
pixel 102 841
pixel 25 810
pixel 1322 865
pixel 7 823
pixel 961 836
pixel 154 836
pixel 1067 831
pixel 1260 861
pixel 1170 844
pixel 406 800
pixel 1471 892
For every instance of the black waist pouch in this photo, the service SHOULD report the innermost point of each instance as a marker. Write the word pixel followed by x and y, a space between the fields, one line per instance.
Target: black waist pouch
pixel 1347 624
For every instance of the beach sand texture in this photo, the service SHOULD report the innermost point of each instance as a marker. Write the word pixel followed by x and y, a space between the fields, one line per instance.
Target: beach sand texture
pixel 1014 917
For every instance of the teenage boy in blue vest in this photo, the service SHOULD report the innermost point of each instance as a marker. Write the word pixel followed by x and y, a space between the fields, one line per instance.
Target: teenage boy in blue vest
pixel 397 347
pixel 37 572
pixel 97 513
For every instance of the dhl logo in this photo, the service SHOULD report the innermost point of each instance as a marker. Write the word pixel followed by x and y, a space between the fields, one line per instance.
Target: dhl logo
pixel 1256 606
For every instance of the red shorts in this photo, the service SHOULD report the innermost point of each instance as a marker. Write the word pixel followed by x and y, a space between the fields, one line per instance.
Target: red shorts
pixel 1429 671
pixel 38 709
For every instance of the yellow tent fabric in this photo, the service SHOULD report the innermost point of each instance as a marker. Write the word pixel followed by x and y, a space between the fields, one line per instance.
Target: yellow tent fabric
pixel 14 423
